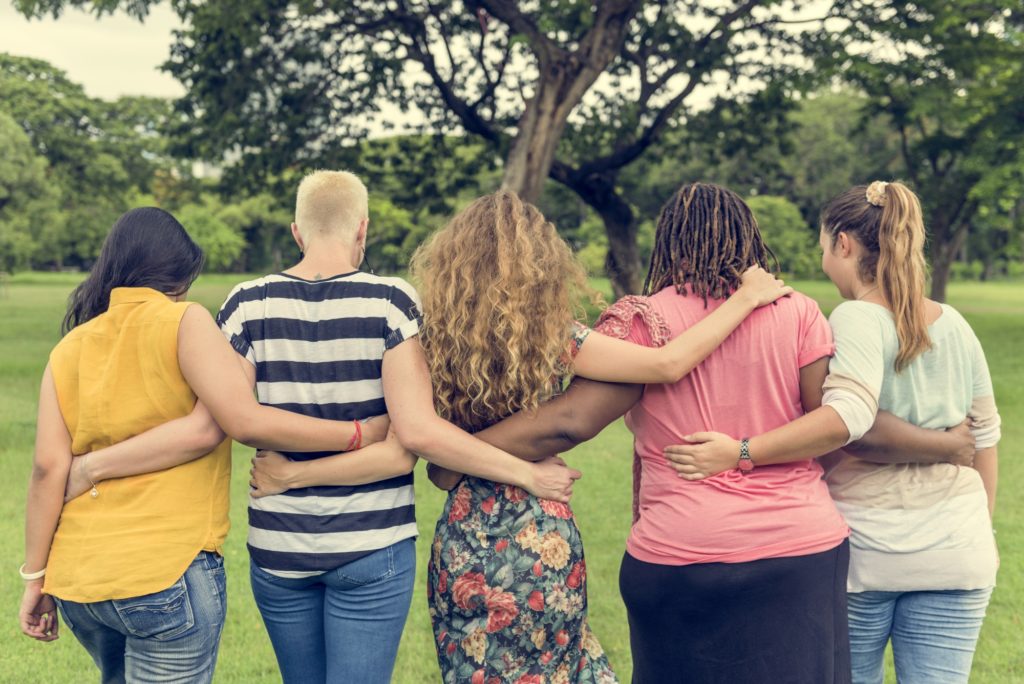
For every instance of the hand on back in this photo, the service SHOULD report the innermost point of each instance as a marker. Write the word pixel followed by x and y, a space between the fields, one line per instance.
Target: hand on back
pixel 762 287
pixel 553 479
pixel 705 454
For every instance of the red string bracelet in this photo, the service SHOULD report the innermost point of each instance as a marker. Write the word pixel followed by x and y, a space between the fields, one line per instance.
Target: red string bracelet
pixel 357 438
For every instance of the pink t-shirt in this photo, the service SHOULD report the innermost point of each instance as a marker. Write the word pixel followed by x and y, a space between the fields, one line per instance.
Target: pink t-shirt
pixel 749 385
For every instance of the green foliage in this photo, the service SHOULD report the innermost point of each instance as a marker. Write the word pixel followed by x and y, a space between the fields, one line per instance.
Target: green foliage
pixel 788 235
pixel 950 82
pixel 99 154
pixel 221 243
pixel 27 198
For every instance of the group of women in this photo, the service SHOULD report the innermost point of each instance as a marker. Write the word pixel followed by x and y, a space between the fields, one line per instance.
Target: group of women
pixel 805 490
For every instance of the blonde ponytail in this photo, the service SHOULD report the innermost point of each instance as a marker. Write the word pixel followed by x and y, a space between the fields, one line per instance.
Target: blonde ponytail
pixel 901 270
pixel 886 219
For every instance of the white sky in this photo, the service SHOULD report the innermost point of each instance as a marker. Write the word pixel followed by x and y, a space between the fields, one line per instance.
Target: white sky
pixel 112 56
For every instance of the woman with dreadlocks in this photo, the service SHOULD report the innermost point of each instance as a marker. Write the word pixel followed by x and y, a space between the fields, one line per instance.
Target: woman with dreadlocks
pixel 740 578
pixel 923 557
pixel 736 579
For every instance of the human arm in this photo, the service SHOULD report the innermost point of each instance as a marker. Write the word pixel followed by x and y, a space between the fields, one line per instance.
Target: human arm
pixel 986 462
pixel 409 396
pixel 575 416
pixel 50 464
pixel 165 446
pixel 211 368
pixel 273 473
pixel 612 360
pixel 894 440
pixel 815 433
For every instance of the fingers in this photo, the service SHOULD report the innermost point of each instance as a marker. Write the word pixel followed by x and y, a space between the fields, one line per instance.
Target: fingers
pixel 701 437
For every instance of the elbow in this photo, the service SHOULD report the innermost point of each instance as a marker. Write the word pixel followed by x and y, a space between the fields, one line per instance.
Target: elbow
pixel 403 463
pixel 668 371
pixel 416 437
pixel 575 429
pixel 208 437
pixel 241 429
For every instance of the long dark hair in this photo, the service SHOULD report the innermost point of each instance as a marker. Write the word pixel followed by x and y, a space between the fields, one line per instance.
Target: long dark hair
pixel 707 237
pixel 147 247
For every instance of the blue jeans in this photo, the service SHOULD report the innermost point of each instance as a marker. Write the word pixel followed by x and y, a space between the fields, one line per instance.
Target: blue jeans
pixel 343 625
pixel 933 634
pixel 169 636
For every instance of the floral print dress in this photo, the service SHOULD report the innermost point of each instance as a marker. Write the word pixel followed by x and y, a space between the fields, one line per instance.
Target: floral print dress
pixel 507 588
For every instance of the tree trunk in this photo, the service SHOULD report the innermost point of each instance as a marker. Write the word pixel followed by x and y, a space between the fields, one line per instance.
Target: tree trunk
pixel 533 149
pixel 620 225
pixel 946 242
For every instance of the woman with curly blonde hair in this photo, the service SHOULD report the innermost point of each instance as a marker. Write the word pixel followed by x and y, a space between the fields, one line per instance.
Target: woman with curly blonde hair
pixel 507 576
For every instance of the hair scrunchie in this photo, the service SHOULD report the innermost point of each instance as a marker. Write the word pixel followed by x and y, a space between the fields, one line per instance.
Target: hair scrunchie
pixel 875 194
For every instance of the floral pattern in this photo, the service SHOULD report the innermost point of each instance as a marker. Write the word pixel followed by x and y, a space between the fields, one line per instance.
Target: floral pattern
pixel 507 590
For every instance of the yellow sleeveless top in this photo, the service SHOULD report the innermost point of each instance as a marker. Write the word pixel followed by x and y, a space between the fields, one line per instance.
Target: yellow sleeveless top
pixel 117 376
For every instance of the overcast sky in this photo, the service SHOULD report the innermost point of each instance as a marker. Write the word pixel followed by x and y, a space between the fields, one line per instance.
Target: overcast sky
pixel 112 56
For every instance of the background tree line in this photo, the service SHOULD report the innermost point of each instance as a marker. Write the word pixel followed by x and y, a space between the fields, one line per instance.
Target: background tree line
pixel 596 110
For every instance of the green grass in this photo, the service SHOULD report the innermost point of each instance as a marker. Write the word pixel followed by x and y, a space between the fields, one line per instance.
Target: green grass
pixel 31 307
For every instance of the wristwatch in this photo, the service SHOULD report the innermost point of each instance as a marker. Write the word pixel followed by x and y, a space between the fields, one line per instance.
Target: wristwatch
pixel 745 464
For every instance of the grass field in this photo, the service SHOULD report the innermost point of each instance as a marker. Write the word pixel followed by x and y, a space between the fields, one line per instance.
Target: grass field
pixel 31 307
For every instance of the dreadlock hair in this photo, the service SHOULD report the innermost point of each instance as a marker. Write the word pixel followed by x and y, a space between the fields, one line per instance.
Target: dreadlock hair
pixel 706 237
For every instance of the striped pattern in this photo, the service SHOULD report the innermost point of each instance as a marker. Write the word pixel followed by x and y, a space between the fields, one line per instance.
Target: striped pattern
pixel 318 349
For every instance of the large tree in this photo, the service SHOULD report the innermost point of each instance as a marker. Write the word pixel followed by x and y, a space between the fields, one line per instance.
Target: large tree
pixel 948 79
pixel 568 89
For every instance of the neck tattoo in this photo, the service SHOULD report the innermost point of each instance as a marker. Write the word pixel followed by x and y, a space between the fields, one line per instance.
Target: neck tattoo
pixel 317 277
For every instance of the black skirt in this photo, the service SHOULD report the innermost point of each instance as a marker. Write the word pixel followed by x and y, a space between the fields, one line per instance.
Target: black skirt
pixel 771 621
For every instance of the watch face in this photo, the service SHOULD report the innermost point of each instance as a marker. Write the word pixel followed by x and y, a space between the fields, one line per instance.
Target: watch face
pixel 746 465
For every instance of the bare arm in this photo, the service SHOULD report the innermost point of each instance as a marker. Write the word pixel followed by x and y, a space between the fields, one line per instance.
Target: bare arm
pixel 558 425
pixel 410 399
pixel 893 440
pixel 818 432
pixel 212 370
pixel 176 442
pixel 986 462
pixel 611 360
pixel 50 464
pixel 165 446
pixel 273 473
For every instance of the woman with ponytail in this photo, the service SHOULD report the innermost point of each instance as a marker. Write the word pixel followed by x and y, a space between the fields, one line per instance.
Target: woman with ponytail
pixel 922 553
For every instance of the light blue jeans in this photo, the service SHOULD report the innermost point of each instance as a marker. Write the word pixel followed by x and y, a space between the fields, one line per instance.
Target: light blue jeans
pixel 933 634
pixel 170 636
pixel 343 625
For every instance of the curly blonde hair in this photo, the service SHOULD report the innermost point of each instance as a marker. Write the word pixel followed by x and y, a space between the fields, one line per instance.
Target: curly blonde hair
pixel 501 291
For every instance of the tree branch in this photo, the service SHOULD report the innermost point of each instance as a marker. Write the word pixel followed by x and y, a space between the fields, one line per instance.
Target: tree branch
pixel 508 11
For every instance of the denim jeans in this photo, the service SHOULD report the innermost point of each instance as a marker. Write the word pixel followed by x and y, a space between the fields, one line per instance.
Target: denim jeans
pixel 169 636
pixel 343 625
pixel 933 634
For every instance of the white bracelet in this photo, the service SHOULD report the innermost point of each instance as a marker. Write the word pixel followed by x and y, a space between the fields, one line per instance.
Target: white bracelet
pixel 27 576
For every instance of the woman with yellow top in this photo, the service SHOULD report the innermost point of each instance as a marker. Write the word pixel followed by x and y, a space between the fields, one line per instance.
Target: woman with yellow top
pixel 136 569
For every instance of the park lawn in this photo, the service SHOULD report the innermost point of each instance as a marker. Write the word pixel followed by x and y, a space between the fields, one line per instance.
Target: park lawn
pixel 31 307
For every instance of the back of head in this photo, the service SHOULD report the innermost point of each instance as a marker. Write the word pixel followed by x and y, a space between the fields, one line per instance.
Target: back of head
pixel 499 288
pixel 146 247
pixel 886 219
pixel 330 204
pixel 706 238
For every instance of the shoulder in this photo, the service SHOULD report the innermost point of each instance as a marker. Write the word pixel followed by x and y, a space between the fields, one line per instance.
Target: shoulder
pixel 619 318
pixel 852 313
pixel 400 292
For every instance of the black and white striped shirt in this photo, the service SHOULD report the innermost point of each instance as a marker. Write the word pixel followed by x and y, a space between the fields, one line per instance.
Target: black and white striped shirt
pixel 317 347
